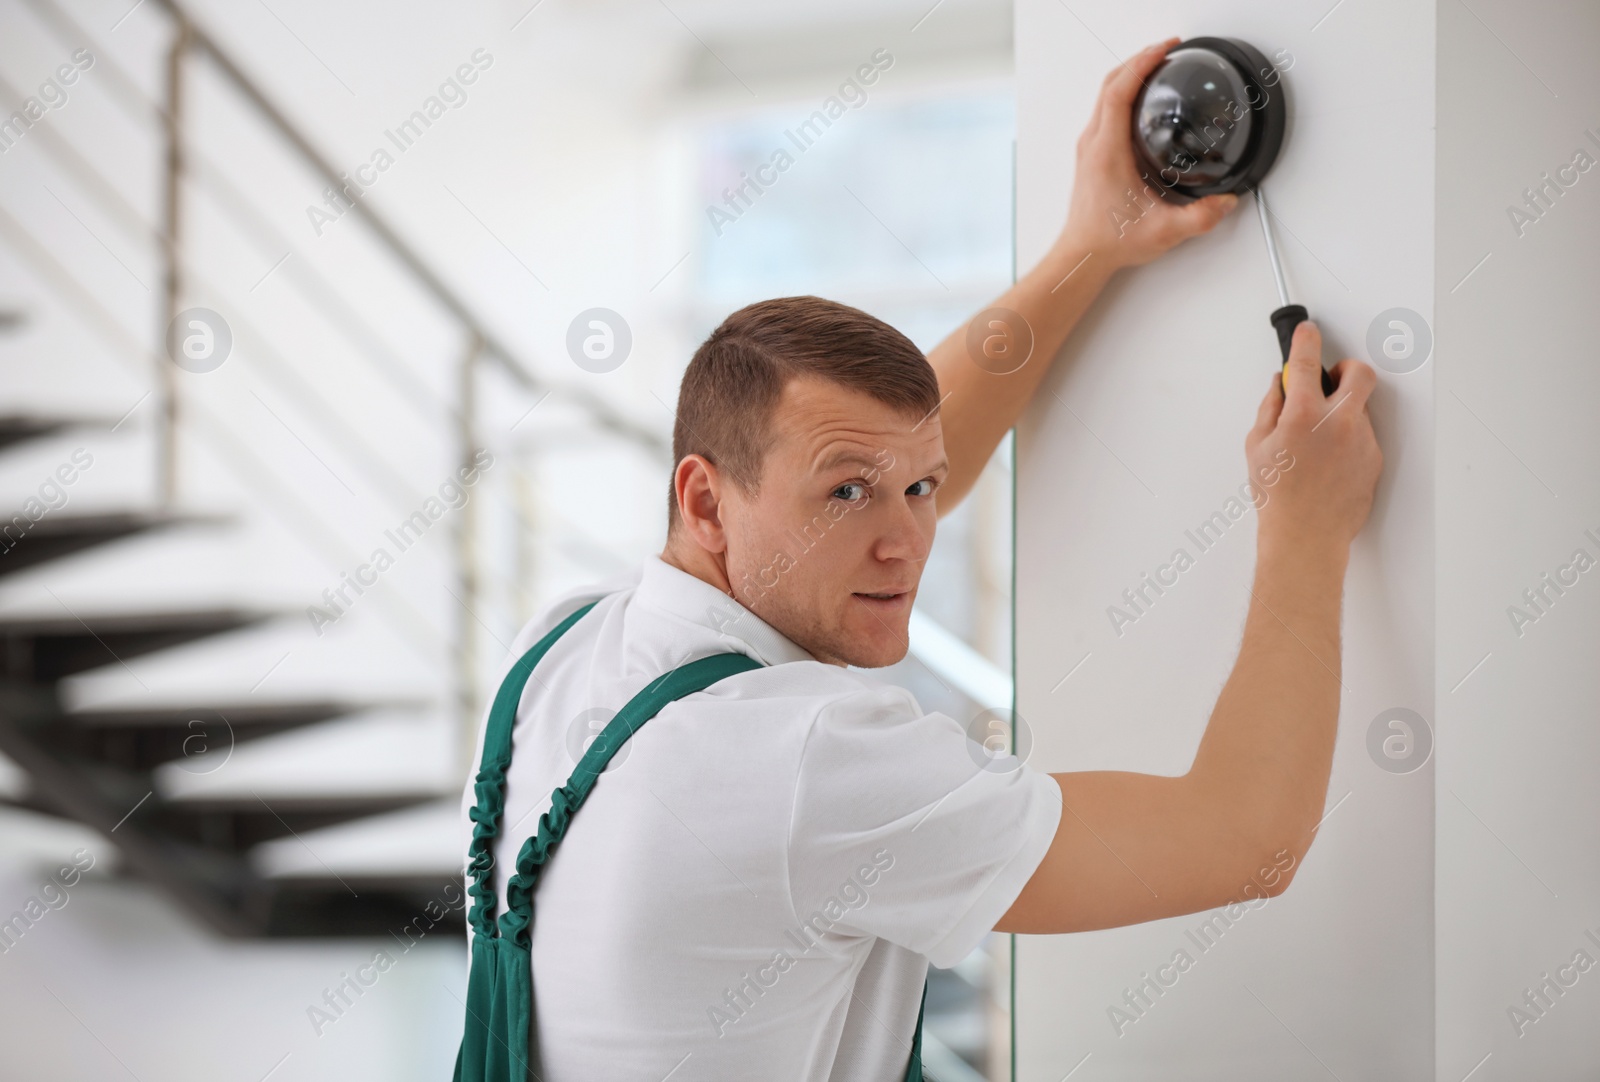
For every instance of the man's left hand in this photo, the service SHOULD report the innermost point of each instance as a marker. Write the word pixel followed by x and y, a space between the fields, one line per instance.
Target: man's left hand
pixel 1114 213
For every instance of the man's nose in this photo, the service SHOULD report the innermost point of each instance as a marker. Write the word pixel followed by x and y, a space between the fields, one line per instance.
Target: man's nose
pixel 903 535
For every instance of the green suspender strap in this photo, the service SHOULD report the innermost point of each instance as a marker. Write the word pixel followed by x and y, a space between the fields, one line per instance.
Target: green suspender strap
pixel 498 1044
pixel 914 1068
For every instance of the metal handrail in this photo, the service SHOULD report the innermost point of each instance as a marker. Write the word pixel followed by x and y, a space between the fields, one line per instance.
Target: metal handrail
pixel 412 624
pixel 276 366
pixel 319 292
pixel 493 347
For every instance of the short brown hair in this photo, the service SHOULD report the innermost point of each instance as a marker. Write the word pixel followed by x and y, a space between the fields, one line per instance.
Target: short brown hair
pixel 734 381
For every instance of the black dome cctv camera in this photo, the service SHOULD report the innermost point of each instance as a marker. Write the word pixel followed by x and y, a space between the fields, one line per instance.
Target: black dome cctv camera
pixel 1209 120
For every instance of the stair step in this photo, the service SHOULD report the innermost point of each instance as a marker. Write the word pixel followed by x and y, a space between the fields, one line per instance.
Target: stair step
pixel 56 536
pixel 428 841
pixel 142 738
pixel 402 906
pixel 43 649
pixel 401 910
pixel 236 822
pixel 21 427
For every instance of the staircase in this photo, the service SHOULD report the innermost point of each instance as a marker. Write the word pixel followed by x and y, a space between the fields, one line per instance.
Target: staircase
pixel 190 780
pixel 99 767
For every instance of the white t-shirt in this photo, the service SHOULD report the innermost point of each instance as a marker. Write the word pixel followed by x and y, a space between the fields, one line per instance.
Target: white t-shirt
pixel 757 884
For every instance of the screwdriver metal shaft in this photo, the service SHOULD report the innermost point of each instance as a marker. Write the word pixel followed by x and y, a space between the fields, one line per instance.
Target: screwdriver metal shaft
pixel 1287 316
pixel 1272 246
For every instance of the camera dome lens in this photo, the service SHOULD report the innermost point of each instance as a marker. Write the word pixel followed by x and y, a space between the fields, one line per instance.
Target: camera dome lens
pixel 1194 119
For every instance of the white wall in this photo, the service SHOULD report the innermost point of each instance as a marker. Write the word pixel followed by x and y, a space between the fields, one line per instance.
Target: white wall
pixel 1162 382
pixel 1519 885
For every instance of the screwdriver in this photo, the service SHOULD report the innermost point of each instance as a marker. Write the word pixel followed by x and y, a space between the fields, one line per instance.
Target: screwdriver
pixel 1287 316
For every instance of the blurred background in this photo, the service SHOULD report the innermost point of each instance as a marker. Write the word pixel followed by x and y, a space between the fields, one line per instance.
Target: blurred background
pixel 272 276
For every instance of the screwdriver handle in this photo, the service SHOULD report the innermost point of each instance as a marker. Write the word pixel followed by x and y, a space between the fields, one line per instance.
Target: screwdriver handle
pixel 1284 321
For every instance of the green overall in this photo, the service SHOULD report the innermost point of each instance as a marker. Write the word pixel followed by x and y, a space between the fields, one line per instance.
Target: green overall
pixel 500 1042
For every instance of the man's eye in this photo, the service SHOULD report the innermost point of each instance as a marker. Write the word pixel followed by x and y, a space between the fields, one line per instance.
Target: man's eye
pixel 923 487
pixel 850 491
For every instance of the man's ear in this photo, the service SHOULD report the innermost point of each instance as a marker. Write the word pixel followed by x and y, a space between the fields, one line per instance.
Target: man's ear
pixel 699 487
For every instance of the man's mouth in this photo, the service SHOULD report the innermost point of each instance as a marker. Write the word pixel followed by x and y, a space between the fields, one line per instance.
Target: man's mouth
pixel 884 601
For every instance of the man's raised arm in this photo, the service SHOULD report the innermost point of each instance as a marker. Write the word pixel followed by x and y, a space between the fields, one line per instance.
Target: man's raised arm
pixel 1136 847
pixel 983 393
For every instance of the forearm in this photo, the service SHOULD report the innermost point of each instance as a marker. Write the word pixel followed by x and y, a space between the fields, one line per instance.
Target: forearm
pixel 1267 752
pixel 981 405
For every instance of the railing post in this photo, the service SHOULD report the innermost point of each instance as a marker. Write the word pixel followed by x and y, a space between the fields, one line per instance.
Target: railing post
pixel 525 577
pixel 467 560
pixel 172 279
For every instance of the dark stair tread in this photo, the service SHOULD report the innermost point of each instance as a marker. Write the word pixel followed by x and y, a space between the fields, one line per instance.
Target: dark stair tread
pixel 42 649
pixel 315 881
pixel 245 715
pixel 240 821
pixel 219 887
pixel 403 910
pixel 56 536
pixel 21 427
pixel 307 802
pixel 141 738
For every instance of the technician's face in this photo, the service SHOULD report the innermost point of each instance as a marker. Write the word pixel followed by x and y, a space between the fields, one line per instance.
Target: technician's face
pixel 829 549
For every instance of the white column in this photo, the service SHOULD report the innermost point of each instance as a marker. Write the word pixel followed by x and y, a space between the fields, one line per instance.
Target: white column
pixel 1336 977
pixel 1518 498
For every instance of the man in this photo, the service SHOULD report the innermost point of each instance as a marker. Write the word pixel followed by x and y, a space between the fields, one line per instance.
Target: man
pixel 760 879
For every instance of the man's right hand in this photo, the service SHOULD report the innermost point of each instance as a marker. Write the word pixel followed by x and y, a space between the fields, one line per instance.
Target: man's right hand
pixel 1315 459
pixel 1136 847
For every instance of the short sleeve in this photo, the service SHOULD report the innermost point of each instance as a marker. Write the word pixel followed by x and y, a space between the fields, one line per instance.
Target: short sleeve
pixel 904 829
